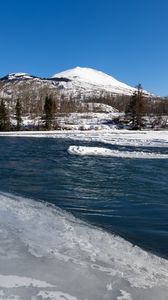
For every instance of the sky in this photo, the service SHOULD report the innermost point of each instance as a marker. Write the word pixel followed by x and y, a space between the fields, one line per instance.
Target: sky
pixel 127 39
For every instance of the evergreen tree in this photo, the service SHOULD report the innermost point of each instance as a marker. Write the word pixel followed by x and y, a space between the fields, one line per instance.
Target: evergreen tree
pixel 135 109
pixel 18 111
pixel 4 117
pixel 49 110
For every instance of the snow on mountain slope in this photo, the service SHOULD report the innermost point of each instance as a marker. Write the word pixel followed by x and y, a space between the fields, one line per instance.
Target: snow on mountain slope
pixel 13 76
pixel 80 84
pixel 87 76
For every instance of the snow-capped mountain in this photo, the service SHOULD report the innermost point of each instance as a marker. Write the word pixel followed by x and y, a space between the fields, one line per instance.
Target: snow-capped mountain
pixel 91 80
pixel 81 95
pixel 77 82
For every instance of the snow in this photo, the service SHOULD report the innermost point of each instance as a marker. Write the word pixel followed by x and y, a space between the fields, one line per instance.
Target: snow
pixel 91 76
pixel 101 107
pixel 83 83
pixel 89 120
pixel 95 78
pixel 99 151
pixel 124 296
pixel 19 75
pixel 46 252
pixel 55 295
pixel 10 281
pixel 137 138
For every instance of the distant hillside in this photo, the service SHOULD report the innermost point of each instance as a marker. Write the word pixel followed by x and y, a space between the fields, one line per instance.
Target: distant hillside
pixel 78 90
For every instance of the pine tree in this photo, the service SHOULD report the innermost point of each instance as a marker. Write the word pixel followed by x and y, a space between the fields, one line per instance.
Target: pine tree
pixel 135 109
pixel 4 117
pixel 49 110
pixel 18 111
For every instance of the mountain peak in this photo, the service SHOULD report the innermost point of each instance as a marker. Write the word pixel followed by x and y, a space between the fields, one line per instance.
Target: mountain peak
pixel 94 77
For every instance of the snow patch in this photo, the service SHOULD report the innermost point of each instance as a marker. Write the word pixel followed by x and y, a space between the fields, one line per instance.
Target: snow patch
pixel 19 75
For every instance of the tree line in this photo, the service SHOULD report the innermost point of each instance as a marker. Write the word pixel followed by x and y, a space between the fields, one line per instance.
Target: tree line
pixel 5 124
pixel 134 107
pixel 47 117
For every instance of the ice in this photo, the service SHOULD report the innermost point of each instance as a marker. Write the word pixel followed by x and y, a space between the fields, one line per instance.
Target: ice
pixel 46 252
pixel 11 297
pixel 112 137
pixel 55 295
pixel 8 281
pixel 99 151
pixel 124 296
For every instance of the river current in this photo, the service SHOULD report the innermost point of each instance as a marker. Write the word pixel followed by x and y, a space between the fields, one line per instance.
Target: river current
pixel 128 197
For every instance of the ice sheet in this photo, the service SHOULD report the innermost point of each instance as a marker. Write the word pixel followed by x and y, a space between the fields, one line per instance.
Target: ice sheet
pixel 46 251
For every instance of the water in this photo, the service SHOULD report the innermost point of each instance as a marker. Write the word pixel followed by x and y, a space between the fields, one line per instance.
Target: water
pixel 126 197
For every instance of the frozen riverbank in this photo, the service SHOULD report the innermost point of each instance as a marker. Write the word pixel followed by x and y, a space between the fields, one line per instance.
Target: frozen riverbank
pixel 117 137
pixel 46 253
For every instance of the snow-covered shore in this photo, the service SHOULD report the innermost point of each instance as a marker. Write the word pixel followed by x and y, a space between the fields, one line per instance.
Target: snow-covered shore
pixel 114 137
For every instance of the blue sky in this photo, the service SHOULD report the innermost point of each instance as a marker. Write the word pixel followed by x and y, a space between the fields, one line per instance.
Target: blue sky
pixel 124 38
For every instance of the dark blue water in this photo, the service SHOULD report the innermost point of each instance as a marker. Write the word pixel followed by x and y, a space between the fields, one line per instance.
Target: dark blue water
pixel 128 197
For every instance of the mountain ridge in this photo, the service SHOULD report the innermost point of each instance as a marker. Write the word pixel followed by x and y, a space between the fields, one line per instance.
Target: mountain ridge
pixel 80 79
